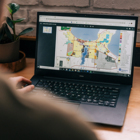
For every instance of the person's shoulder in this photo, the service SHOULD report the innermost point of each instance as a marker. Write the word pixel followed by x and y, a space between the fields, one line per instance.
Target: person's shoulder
pixel 35 116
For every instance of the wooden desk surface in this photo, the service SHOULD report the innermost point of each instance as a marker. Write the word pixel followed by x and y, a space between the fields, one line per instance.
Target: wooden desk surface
pixel 131 128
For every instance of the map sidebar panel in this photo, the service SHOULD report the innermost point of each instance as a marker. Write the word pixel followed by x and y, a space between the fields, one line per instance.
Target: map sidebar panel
pixel 91 49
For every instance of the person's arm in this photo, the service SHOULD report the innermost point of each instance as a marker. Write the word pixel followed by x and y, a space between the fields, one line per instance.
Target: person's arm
pixel 19 83
pixel 37 117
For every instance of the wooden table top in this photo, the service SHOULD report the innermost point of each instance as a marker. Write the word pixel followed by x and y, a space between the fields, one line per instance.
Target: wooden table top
pixel 131 127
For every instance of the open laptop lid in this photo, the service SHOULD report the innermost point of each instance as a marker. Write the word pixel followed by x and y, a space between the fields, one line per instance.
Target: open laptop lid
pixel 86 47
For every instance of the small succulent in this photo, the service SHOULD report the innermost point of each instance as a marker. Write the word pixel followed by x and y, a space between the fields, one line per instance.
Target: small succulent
pixel 5 34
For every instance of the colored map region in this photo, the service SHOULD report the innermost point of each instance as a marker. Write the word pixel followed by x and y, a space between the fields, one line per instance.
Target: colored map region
pixel 47 29
pixel 88 48
pixel 84 53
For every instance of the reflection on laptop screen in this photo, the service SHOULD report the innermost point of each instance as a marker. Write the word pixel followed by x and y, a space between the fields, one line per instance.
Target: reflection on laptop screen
pixel 85 44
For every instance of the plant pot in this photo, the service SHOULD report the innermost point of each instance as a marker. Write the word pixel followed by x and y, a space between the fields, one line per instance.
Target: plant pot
pixel 14 66
pixel 9 52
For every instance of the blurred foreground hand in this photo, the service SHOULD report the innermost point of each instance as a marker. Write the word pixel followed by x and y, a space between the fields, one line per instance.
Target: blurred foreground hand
pixel 19 83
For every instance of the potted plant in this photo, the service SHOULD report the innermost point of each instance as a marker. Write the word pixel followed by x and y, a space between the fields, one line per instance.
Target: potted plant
pixel 9 40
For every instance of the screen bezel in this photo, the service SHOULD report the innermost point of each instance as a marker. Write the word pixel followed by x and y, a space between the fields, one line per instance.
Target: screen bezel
pixel 86 76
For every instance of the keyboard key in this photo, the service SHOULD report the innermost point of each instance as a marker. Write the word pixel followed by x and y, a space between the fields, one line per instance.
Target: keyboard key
pixel 101 92
pixel 89 91
pixel 113 100
pixel 78 89
pixel 56 93
pixel 56 87
pixel 100 95
pixel 95 101
pixel 93 94
pixel 83 100
pixel 61 90
pixel 96 98
pixel 106 103
pixel 116 88
pixel 41 80
pixel 46 86
pixel 66 91
pixel 89 94
pixel 104 89
pixel 73 95
pixel 90 97
pixel 115 91
pixel 106 93
pixel 77 92
pixel 78 96
pixel 92 89
pixel 83 93
pixel 101 100
pixel 72 92
pixel 89 100
pixel 62 94
pixel 84 96
pixel 100 103
pixel 114 97
pixel 112 105
pixel 39 85
pixel 68 94
pixel 98 89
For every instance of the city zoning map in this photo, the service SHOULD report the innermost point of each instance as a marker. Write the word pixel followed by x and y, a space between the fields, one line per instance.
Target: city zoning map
pixel 87 48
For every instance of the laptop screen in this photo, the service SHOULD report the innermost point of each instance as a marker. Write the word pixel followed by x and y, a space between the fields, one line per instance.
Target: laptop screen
pixel 86 44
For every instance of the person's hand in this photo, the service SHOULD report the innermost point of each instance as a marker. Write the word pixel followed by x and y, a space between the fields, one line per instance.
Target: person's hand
pixel 20 82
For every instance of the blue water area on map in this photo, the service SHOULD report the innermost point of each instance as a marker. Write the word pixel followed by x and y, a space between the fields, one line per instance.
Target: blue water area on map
pixel 84 55
pixel 107 36
pixel 113 46
pixel 85 33
pixel 105 39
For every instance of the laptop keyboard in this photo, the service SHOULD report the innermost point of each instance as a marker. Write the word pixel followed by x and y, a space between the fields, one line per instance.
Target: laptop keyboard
pixel 81 93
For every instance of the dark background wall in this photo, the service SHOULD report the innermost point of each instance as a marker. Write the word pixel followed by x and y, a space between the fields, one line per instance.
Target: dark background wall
pixel 29 8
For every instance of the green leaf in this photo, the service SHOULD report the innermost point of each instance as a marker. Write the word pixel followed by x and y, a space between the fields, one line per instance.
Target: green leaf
pixel 26 31
pixel 9 22
pixel 8 33
pixel 9 9
pixel 18 20
pixel 2 32
pixel 14 7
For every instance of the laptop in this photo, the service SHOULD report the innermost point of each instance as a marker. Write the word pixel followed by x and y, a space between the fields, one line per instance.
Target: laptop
pixel 87 60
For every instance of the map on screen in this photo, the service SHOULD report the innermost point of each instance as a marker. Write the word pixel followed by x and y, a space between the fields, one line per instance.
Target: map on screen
pixel 87 48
